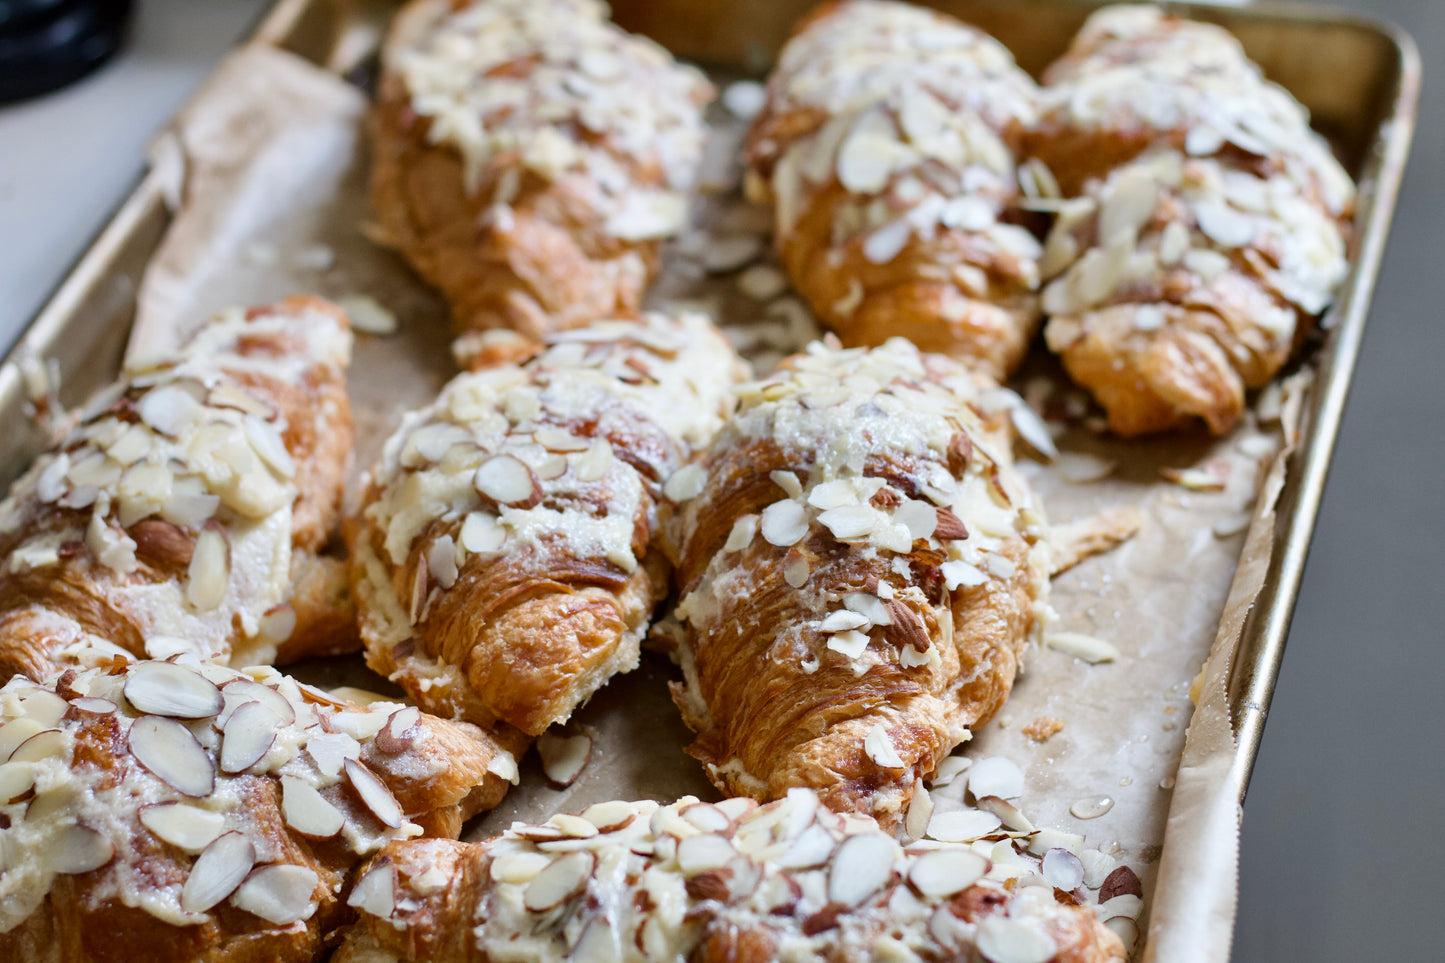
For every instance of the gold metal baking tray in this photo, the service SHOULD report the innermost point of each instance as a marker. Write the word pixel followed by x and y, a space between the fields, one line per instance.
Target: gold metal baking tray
pixel 1359 78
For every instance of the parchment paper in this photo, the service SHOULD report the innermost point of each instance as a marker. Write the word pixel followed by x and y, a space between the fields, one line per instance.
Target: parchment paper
pixel 268 164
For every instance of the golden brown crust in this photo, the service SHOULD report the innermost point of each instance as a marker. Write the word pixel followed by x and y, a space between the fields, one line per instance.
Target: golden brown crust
pixel 101 779
pixel 858 579
pixel 514 243
pixel 886 146
pixel 104 530
pixel 489 604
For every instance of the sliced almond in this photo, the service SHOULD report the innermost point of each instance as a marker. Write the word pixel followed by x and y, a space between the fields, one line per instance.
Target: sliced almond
pixel 962 825
pixel 944 872
pixel 563 757
pixel 16 779
pixel 399 732
pixel 861 866
pixel 167 689
pixel 376 892
pixel 878 747
pixel 996 776
pixel 596 461
pixel 1062 869
pixel 268 443
pixel 172 754
pixel 850 522
pixel 441 561
pixel 79 849
pixel 483 534
pixel 1082 646
pixel 1011 816
pixel 842 620
pixel 573 827
pixel 93 706
pixel 1126 929
pixel 784 523
pixel 249 691
pixel 307 811
pixel 563 879
pixel 611 816
pixel 209 575
pixel 45 707
pixel 41 746
pixel 1005 940
pixel 217 872
pixel 374 794
pixel 920 518
pixel 686 483
pixel 508 481
pixel 707 817
pixel 280 894
pixel 920 811
pixel 248 736
pixel 703 852
pixel 188 828
pixel 15 732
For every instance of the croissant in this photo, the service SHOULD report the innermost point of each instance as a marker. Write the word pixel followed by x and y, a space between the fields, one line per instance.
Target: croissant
pixel 530 157
pixel 887 147
pixel 186 507
pixel 501 563
pixel 183 811
pixel 860 568
pixel 1206 224
pixel 711 883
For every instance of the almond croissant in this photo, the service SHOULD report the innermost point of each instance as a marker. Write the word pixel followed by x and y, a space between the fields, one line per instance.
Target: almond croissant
pixel 530 157
pixel 502 562
pixel 859 571
pixel 1206 224
pixel 887 147
pixel 175 812
pixel 185 508
pixel 710 883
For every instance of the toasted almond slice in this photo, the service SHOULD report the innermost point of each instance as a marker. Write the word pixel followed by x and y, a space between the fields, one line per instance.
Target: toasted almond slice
pixel 861 866
pixel 508 481
pixel 280 894
pixel 248 736
pixel 563 757
pixel 376 892
pixel 399 732
pixel 168 689
pixel 307 811
pixel 188 828
pixel 704 851
pixel 374 793
pixel 1005 940
pixel 209 574
pixel 172 754
pixel 1063 870
pixel 80 850
pixel 16 779
pixel 996 776
pixel 878 747
pixel 1011 816
pixel 920 811
pixel 249 691
pixel 611 816
pixel 563 879
pixel 217 872
pixel 962 825
pixel 41 746
pixel 812 847
pixel 944 872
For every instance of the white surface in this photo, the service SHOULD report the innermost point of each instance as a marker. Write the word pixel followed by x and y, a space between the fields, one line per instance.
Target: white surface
pixel 67 159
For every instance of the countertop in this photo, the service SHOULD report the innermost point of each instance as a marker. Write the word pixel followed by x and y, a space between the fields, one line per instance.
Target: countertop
pixel 1341 849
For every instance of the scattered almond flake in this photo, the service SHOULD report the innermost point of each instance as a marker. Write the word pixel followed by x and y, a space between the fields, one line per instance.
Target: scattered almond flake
pixel 960 573
pixel 307 811
pixel 920 811
pixel 1195 479
pixel 216 873
pixel 1097 865
pixel 596 461
pixel 563 756
pixel 1012 817
pixel 281 894
pixel 962 825
pixel 788 482
pixel 374 794
pixel 1077 467
pixel 1062 869
pixel 725 254
pixel 172 754
pixel 1148 317
pixel 247 736
pixel 503 765
pixel 1082 646
pixel 879 748
pixel 368 315
pixel 943 873
pixel 862 864
pixel 886 243
pixel 1091 807
pixel 1128 905
pixel 188 828
pixel 996 776
pixel 851 643
pixel 1031 429
pixel 742 533
pixel 949 768
pixel 842 620
pixel 508 481
pixel 441 561
pixel 482 534
pixel 1126 929
pixel 1000 567
pixel 762 282
pixel 167 689
pixel 686 483
pixel 1004 940
pixel 784 523
pixel 1232 525
pixel 1043 727
pixel 920 518
pixel 849 522
pixel 796 569
pixel 744 98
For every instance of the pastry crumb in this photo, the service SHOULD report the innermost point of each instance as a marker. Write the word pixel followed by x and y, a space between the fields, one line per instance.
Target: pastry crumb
pixel 1044 726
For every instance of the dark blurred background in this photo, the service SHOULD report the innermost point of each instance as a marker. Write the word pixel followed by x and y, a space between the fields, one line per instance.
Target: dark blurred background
pixel 1342 843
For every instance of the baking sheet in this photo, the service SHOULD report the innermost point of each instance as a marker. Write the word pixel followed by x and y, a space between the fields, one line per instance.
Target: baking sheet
pixel 267 167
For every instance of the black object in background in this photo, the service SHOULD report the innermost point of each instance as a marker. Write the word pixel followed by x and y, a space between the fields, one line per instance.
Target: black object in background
pixel 46 44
